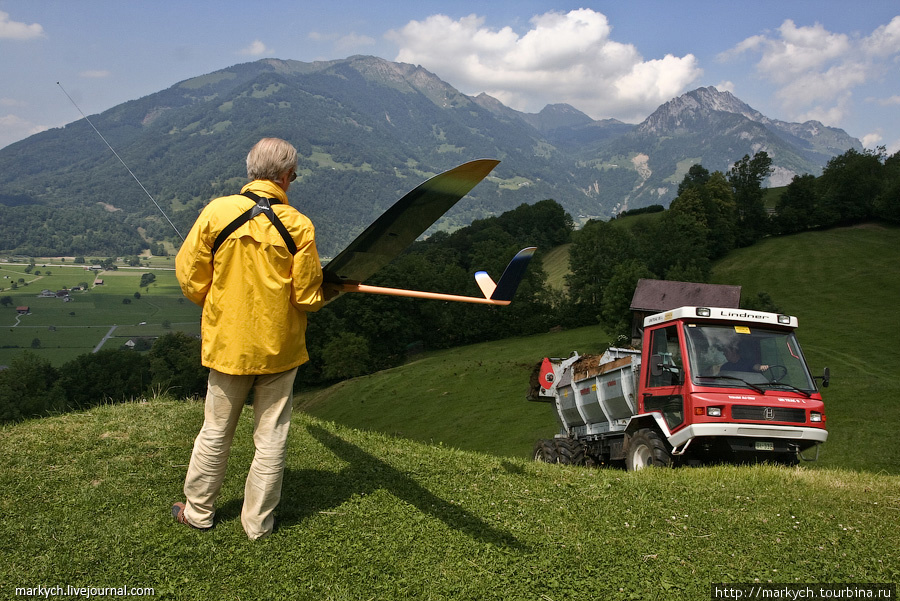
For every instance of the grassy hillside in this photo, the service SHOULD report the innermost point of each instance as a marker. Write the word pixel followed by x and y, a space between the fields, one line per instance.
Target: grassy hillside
pixel 556 264
pixel 469 398
pixel 364 516
pixel 841 283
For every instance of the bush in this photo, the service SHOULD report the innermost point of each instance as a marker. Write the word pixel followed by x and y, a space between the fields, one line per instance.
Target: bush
pixel 107 375
pixel 27 389
pixel 175 364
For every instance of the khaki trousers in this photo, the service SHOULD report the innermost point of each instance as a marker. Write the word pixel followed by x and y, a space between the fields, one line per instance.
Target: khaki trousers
pixel 225 399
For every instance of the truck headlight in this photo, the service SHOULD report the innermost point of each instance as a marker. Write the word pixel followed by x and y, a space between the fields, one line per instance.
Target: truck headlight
pixel 714 411
pixel 815 416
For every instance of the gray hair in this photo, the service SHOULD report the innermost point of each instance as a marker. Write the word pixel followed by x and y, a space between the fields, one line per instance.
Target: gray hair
pixel 270 158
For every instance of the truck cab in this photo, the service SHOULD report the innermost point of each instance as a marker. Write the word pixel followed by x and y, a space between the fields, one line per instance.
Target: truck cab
pixel 729 382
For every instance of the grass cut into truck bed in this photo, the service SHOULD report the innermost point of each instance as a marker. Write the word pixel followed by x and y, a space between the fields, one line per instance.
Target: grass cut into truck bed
pixel 86 501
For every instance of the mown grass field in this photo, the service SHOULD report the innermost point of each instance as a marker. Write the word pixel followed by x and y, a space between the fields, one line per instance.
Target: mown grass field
pixel 367 516
pixel 66 330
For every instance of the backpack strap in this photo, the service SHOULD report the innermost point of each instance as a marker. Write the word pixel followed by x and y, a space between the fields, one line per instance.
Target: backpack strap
pixel 263 205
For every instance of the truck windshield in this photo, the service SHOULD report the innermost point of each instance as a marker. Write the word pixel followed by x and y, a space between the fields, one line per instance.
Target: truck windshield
pixel 742 356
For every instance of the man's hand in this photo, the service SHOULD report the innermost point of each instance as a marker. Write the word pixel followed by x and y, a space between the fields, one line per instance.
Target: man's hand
pixel 331 292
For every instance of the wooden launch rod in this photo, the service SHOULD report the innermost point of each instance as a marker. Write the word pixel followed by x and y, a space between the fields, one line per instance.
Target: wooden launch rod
pixel 420 294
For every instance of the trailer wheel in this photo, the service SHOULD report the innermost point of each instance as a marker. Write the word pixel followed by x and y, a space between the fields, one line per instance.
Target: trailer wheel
pixel 645 449
pixel 545 451
pixel 571 452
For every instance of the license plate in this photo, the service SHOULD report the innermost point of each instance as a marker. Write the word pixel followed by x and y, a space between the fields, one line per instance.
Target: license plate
pixel 765 446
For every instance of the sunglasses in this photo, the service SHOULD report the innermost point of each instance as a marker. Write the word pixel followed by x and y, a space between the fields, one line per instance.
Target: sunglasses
pixel 293 176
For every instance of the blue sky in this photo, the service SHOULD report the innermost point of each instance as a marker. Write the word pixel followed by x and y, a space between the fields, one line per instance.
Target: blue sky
pixel 794 60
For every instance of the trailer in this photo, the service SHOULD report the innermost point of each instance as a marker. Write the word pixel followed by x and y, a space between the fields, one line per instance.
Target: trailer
pixel 707 385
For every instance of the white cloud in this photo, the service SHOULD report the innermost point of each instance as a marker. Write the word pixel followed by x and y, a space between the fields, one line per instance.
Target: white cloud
pixel 871 140
pixel 889 101
pixel 816 71
pixel 827 113
pixel 256 48
pixel 885 40
pixel 563 57
pixel 893 147
pixel 725 86
pixel 13 30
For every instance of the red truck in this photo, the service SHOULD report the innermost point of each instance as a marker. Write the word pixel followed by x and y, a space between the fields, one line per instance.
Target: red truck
pixel 718 385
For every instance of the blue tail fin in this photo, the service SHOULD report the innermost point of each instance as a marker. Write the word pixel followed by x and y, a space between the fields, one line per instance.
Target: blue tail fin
pixel 511 278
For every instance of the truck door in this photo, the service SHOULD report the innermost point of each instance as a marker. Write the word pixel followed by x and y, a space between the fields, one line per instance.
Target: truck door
pixel 665 378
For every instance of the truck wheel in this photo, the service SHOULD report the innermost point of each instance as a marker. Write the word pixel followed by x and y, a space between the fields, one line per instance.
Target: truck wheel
pixel 545 451
pixel 571 452
pixel 645 449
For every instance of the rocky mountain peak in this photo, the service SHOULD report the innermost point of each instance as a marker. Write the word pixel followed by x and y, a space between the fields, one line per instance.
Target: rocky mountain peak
pixel 694 107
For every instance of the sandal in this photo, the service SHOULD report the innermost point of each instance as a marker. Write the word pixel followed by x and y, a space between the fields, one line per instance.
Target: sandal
pixel 178 514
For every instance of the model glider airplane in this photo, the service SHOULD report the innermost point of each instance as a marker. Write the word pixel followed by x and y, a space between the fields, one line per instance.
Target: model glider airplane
pixel 406 220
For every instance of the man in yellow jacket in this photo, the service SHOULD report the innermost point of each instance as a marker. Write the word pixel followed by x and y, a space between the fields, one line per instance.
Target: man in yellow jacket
pixel 256 281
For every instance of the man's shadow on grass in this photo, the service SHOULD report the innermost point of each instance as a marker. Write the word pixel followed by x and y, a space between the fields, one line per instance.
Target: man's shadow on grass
pixel 306 493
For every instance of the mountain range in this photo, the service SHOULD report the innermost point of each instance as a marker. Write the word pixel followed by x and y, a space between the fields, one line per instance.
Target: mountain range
pixel 367 130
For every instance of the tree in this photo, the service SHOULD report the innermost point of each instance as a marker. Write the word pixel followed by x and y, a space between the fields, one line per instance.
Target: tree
pixel 175 365
pixel 615 310
pixel 697 176
pixel 596 250
pixel 678 244
pixel 6 301
pixel 711 206
pixel 887 204
pixel 346 356
pixel 849 185
pixel 107 375
pixel 147 279
pixel 798 208
pixel 746 177
pixel 27 388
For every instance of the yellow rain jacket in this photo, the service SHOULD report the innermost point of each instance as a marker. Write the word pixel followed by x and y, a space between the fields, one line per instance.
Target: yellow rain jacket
pixel 254 294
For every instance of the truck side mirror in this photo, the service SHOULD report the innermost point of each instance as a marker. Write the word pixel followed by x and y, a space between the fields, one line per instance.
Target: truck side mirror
pixel 825 377
pixel 656 363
